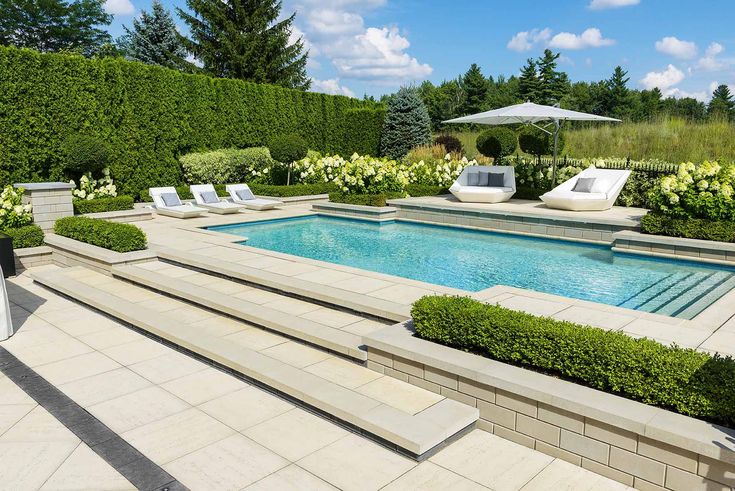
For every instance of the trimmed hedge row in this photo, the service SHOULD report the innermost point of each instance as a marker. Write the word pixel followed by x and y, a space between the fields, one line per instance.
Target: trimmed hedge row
pixel 25 236
pixel 691 228
pixel 150 115
pixel 99 205
pixel 363 199
pixel 268 190
pixel 416 190
pixel 692 383
pixel 118 237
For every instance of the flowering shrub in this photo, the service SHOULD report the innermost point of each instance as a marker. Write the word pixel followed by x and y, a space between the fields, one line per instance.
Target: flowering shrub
pixel 13 213
pixel 701 191
pixel 90 188
pixel 227 165
pixel 437 172
pixel 367 175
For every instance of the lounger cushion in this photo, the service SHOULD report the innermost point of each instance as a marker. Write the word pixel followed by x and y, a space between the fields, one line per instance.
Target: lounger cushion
pixel 484 178
pixel 584 185
pixel 170 199
pixel 209 197
pixel 574 195
pixel 245 194
pixel 473 178
pixel 496 179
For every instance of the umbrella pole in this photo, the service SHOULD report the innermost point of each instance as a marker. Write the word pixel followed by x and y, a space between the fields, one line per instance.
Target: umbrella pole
pixel 556 142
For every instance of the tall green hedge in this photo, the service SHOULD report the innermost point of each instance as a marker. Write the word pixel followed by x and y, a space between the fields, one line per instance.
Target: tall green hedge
pixel 150 115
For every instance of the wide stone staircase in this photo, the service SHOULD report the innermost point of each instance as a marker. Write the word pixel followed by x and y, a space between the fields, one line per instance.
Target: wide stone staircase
pixel 277 336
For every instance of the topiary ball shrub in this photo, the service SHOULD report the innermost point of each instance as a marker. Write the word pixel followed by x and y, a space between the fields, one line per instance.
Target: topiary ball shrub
pixel 536 142
pixel 288 148
pixel 84 153
pixel 25 236
pixel 407 124
pixel 497 142
pixel 450 143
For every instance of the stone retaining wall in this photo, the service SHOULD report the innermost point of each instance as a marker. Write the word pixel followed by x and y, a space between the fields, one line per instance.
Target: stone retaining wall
pixel 675 247
pixel 29 257
pixel 377 213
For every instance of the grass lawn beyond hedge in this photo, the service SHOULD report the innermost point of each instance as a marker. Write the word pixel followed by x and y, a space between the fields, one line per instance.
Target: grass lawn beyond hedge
pixel 684 380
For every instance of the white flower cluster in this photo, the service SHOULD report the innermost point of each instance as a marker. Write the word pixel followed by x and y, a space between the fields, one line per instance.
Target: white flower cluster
pixel 90 188
pixel 437 173
pixel 693 186
pixel 367 175
pixel 13 213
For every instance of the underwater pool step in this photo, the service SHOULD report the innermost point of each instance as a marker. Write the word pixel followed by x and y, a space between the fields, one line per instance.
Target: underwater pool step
pixel 415 433
pixel 681 285
pixel 708 298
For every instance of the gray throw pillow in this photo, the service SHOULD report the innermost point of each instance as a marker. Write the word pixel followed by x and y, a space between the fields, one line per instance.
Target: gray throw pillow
pixel 584 185
pixel 473 178
pixel 245 194
pixel 209 197
pixel 484 178
pixel 170 199
pixel 496 180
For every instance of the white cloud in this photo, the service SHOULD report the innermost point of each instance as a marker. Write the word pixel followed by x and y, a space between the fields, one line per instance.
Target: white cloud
pixel 670 45
pixel 664 80
pixel 330 86
pixel 590 38
pixel 335 22
pixel 681 94
pixel 710 62
pixel 611 4
pixel 526 40
pixel 119 7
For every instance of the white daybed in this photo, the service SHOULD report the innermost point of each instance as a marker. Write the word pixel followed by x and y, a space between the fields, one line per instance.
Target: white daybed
pixel 206 197
pixel 242 195
pixel 476 184
pixel 596 195
pixel 166 201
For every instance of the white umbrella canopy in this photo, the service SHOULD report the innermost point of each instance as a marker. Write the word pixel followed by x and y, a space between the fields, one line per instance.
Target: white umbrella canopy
pixel 530 113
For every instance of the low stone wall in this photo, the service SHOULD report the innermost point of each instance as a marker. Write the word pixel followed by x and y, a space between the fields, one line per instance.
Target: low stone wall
pixel 29 257
pixel 124 216
pixel 674 247
pixel 68 252
pixel 567 229
pixel 377 213
pixel 50 201
pixel 635 444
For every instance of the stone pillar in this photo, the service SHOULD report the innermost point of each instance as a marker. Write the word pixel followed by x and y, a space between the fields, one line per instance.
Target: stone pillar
pixel 50 200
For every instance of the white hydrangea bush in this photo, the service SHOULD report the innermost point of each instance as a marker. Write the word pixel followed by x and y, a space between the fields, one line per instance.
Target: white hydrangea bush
pixel 439 172
pixel 13 213
pixel 91 188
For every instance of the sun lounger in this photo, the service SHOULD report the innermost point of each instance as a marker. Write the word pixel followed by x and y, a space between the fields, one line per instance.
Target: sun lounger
pixel 166 201
pixel 590 190
pixel 206 197
pixel 485 184
pixel 242 195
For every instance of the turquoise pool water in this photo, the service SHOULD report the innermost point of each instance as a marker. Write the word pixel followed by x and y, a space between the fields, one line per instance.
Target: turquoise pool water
pixel 475 260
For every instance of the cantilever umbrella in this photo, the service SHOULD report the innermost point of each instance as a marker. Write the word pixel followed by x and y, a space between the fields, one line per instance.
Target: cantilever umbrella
pixel 533 114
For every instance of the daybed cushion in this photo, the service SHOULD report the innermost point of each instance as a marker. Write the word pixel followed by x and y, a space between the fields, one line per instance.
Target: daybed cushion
pixel 473 179
pixel 245 194
pixel 486 189
pixel 576 195
pixel 584 185
pixel 209 197
pixel 170 199
pixel 496 179
pixel 484 178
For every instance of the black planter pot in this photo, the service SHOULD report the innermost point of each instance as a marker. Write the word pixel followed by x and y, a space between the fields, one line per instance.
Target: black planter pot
pixel 7 260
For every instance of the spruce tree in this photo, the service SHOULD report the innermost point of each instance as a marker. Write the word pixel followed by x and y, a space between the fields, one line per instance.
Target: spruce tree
pixel 244 39
pixel 475 87
pixel 721 105
pixel 617 98
pixel 529 83
pixel 553 84
pixel 54 25
pixel 154 39
pixel 407 124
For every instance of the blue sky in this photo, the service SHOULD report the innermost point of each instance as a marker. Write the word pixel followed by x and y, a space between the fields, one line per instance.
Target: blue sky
pixel 375 46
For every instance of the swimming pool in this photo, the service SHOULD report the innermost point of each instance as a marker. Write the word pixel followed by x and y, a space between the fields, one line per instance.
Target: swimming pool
pixel 475 260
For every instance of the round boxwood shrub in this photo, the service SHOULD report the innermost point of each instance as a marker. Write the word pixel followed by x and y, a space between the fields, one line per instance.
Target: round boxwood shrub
pixel 536 142
pixel 451 143
pixel 288 148
pixel 84 153
pixel 497 142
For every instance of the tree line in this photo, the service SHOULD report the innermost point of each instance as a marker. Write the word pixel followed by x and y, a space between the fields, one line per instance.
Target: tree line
pixel 242 39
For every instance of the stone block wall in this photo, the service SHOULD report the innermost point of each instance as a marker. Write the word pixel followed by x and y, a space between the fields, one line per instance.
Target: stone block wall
pixel 50 200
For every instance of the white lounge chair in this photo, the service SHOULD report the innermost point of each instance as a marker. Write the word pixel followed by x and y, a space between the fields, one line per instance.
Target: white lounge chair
pixel 166 201
pixel 596 195
pixel 242 195
pixel 482 184
pixel 206 197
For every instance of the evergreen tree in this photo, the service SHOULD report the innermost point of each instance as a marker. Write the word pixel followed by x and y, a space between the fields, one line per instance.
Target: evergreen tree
pixel 553 85
pixel 54 25
pixel 721 105
pixel 475 87
pixel 528 83
pixel 617 99
pixel 154 39
pixel 244 39
pixel 406 125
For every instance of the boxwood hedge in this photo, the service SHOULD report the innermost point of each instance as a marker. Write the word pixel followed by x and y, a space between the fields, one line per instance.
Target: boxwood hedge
pixel 691 228
pixel 150 115
pixel 692 383
pixel 25 236
pixel 118 237
pixel 363 199
pixel 99 205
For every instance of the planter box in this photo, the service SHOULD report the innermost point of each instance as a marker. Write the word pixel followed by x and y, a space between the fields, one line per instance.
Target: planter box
pixel 377 213
pixel 70 252
pixel 636 444
pixel 7 260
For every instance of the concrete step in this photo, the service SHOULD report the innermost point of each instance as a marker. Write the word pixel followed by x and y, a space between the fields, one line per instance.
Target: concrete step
pixel 198 288
pixel 409 419
pixel 357 302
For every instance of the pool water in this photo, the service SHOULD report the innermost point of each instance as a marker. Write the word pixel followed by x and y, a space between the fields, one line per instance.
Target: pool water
pixel 475 260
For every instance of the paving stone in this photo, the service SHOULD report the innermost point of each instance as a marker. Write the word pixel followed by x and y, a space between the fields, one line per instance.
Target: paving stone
pixel 202 386
pixel 291 478
pixel 563 475
pixel 397 394
pixel 27 465
pixel 343 372
pixel 104 386
pixel 84 469
pixel 430 476
pixel 137 409
pixel 607 471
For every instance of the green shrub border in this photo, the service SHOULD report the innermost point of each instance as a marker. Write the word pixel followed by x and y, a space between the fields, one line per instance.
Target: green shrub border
pixel 269 190
pixel 100 205
pixel 118 237
pixel 417 190
pixel 25 236
pixel 684 380
pixel 690 228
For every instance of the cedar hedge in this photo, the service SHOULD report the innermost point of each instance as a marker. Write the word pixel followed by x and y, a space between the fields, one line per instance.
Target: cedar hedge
pixel 118 237
pixel 416 190
pixel 691 228
pixel 692 383
pixel 268 190
pixel 99 205
pixel 25 236
pixel 363 199
pixel 149 115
